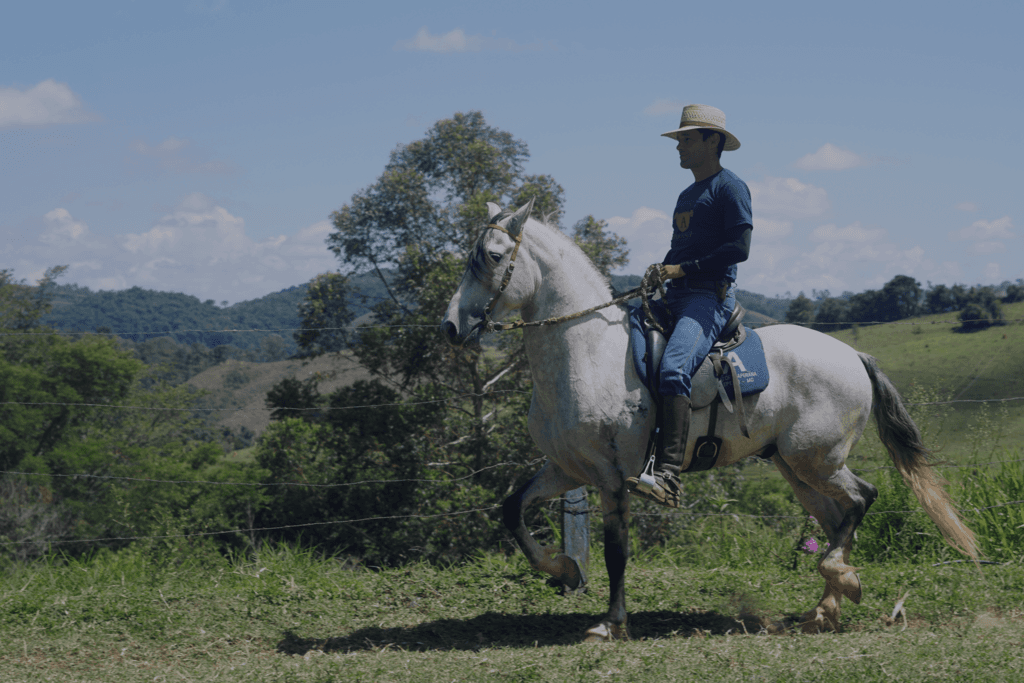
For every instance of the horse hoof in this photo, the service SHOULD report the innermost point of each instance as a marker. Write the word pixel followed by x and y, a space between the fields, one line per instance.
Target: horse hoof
pixel 565 569
pixel 605 632
pixel 816 621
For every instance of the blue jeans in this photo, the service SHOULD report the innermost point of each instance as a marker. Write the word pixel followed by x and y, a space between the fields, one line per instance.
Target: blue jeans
pixel 700 318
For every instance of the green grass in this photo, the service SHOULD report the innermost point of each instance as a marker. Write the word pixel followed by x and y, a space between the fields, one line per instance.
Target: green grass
pixel 290 616
pixel 932 361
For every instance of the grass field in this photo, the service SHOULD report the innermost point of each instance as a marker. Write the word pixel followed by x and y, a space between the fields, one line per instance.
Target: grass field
pixel 718 604
pixel 289 616
pixel 930 360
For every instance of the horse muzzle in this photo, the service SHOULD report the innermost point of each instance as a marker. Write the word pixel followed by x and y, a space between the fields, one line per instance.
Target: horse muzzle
pixel 450 331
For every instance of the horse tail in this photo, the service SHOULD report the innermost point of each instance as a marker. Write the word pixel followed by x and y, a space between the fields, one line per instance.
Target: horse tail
pixel 902 439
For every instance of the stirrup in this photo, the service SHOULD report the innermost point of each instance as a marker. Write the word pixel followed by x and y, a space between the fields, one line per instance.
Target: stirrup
pixel 646 482
pixel 648 487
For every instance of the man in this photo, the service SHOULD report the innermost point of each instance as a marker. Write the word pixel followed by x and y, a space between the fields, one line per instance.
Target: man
pixel 712 225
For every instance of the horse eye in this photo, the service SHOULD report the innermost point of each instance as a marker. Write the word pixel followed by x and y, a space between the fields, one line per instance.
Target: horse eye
pixel 495 256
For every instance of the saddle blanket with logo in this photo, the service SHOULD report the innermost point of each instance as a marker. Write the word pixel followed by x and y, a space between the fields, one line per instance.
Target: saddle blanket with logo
pixel 748 359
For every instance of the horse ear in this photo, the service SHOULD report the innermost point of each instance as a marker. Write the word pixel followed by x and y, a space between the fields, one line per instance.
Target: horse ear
pixel 492 210
pixel 516 221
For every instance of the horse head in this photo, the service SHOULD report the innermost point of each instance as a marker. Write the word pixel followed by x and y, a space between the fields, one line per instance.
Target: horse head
pixel 488 290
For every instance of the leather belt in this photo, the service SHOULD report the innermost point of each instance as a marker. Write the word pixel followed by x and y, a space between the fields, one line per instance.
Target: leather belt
pixel 682 282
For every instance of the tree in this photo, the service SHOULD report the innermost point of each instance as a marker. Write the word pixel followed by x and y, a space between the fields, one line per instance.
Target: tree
pixel 981 310
pixel 866 306
pixel 607 250
pixel 940 299
pixel 412 229
pixel 1014 293
pixel 21 306
pixel 325 315
pixel 900 298
pixel 801 310
pixel 294 398
pixel 833 314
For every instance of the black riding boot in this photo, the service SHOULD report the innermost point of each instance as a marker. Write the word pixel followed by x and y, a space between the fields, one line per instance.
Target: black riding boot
pixel 660 483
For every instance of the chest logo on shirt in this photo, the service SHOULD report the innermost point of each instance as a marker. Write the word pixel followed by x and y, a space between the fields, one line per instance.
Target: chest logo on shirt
pixel 683 220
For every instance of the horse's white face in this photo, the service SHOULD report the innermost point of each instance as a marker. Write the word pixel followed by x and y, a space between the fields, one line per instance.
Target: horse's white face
pixel 464 320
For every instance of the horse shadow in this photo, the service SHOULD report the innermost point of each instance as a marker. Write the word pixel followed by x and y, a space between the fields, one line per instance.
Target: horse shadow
pixel 493 629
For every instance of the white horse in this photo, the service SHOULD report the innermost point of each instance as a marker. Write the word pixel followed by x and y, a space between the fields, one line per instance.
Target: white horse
pixel 592 416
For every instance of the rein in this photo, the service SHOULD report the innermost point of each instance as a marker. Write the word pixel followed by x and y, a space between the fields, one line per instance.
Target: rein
pixel 649 285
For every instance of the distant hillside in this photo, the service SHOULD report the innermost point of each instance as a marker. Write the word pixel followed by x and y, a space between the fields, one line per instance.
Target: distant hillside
pixel 139 314
pixel 171 327
pixel 241 388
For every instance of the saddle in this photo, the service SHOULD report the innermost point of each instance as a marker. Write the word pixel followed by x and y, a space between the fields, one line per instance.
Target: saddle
pixel 735 367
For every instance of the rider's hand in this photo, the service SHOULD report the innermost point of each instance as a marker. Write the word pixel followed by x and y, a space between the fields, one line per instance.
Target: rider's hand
pixel 671 272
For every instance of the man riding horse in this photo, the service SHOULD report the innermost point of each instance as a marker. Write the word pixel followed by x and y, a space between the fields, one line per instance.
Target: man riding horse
pixel 711 234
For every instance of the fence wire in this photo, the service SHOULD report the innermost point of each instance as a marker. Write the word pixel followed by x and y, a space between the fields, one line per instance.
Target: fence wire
pixel 456 513
pixel 167 333
pixel 424 481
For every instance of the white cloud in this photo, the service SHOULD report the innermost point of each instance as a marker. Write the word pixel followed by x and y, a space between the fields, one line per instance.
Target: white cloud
pixel 171 155
pixel 830 158
pixel 199 248
pixel 986 230
pixel 966 206
pixel 992 272
pixel 47 103
pixel 62 228
pixel 659 107
pixel 456 40
pixel 771 230
pixel 851 233
pixel 648 233
pixel 787 199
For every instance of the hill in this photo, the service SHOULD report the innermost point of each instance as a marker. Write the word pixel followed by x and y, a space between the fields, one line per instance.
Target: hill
pixel 928 359
pixel 241 387
pixel 138 315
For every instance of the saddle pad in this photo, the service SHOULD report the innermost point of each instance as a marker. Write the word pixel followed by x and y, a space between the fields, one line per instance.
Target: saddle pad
pixel 748 358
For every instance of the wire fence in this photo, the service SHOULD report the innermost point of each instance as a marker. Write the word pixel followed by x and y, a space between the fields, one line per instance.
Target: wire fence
pixel 456 513
pixel 447 481
pixel 848 323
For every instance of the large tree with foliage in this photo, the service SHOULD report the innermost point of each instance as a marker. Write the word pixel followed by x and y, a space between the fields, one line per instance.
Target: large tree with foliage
pixel 801 310
pixel 413 229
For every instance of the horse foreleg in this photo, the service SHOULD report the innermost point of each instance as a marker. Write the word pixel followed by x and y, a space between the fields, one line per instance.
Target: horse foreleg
pixel 615 506
pixel 549 482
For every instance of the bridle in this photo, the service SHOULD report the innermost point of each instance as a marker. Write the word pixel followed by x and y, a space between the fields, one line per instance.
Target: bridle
pixel 648 286
pixel 490 325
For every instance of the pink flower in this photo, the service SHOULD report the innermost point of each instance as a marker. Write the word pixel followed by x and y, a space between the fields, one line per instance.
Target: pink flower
pixel 810 546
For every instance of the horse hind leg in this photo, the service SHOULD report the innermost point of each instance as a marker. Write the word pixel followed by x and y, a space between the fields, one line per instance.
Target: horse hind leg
pixel 549 482
pixel 839 503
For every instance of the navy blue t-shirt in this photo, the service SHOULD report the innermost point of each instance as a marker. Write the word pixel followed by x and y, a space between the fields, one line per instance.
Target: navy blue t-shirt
pixel 711 228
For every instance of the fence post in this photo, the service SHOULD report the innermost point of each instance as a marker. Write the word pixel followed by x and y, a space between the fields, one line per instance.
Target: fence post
pixel 576 529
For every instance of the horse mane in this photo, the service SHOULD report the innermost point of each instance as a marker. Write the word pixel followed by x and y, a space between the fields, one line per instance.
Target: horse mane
pixel 481 265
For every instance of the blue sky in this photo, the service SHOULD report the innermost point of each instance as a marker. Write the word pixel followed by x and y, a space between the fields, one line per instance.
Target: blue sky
pixel 201 146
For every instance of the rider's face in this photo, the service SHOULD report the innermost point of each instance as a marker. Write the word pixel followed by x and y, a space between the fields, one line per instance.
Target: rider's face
pixel 694 151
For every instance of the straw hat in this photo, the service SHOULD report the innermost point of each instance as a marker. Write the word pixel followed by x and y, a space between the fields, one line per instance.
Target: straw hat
pixel 702 116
